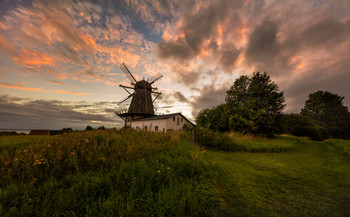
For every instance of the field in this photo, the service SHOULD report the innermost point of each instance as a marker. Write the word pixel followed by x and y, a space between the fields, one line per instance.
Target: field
pixel 128 173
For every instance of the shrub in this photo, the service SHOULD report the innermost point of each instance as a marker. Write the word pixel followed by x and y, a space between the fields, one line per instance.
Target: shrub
pixel 215 140
pixel 300 125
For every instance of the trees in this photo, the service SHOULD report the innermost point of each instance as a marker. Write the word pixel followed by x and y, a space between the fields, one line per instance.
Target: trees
pixel 255 105
pixel 215 118
pixel 329 110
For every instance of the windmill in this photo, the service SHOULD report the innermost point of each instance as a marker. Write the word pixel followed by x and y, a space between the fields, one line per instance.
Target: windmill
pixel 141 92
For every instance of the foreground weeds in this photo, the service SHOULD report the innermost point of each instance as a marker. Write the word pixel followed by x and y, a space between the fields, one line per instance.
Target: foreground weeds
pixel 108 173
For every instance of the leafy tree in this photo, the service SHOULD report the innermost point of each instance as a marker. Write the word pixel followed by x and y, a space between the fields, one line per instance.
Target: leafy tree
pixel 216 118
pixel 101 128
pixel 255 105
pixel 67 130
pixel 329 110
pixel 89 128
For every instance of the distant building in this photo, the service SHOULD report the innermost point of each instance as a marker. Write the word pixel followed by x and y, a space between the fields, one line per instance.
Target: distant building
pixel 168 122
pixel 39 132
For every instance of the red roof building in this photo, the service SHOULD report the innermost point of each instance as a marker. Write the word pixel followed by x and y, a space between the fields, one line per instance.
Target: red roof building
pixel 39 132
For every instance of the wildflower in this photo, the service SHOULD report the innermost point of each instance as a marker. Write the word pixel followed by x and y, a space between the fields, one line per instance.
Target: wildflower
pixel 168 168
pixel 37 162
pixel 34 180
pixel 103 158
pixel 158 171
pixel 214 162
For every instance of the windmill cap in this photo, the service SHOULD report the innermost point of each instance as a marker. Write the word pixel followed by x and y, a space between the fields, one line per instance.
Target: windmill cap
pixel 143 84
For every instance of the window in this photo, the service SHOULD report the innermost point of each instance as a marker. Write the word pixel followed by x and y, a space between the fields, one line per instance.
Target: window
pixel 173 118
pixel 182 120
pixel 156 128
pixel 178 121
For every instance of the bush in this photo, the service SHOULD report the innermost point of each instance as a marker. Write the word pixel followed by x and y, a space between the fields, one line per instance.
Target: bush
pixel 215 140
pixel 300 125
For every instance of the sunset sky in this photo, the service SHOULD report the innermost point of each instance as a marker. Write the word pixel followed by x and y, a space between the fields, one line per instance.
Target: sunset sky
pixel 59 59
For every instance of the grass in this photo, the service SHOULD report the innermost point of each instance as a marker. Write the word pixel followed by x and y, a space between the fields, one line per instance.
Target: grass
pixel 128 173
pixel 106 173
pixel 243 143
pixel 310 180
pixel 250 143
pixel 342 145
pixel 12 143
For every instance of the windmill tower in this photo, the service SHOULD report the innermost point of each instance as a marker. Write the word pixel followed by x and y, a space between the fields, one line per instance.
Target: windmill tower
pixel 141 105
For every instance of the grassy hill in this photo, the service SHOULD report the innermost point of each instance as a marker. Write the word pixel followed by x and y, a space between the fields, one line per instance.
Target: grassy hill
pixel 128 173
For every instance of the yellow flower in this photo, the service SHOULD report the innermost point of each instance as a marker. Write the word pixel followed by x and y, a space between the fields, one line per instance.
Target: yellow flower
pixel 158 171
pixel 34 180
pixel 168 168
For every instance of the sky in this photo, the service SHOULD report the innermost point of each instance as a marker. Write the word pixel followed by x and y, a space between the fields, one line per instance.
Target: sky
pixel 59 59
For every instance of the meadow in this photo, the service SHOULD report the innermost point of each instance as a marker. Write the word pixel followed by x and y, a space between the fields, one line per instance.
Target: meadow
pixel 130 173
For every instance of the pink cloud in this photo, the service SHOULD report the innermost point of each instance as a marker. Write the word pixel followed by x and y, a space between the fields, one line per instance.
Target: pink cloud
pixel 18 86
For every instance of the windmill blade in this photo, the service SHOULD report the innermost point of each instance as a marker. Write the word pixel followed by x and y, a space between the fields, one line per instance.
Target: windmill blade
pixel 126 88
pixel 127 73
pixel 126 98
pixel 158 94
pixel 156 79
pixel 155 106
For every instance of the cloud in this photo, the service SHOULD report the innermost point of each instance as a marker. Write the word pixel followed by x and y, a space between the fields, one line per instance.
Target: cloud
pixel 22 87
pixel 25 113
pixel 303 46
pixel 180 97
pixel 209 97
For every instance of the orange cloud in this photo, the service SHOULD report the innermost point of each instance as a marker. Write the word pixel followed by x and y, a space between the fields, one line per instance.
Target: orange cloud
pixel 21 87
pixel 33 59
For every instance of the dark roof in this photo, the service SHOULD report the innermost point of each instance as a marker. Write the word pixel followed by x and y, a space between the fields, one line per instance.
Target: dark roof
pixel 160 117
pixel 39 132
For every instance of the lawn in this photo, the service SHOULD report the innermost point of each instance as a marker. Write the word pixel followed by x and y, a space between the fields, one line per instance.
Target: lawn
pixel 313 179
pixel 128 173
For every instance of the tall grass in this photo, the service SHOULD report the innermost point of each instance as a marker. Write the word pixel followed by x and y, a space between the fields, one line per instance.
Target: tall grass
pixel 342 145
pixel 106 173
pixel 241 142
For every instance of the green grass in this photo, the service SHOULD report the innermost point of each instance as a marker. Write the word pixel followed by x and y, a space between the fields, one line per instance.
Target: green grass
pixel 18 142
pixel 242 143
pixel 313 179
pixel 250 143
pixel 342 145
pixel 106 173
pixel 129 173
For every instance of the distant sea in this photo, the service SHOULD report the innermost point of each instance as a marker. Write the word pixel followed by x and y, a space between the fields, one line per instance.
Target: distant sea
pixel 17 131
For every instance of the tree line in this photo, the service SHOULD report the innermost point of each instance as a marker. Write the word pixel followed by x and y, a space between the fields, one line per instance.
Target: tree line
pixel 254 105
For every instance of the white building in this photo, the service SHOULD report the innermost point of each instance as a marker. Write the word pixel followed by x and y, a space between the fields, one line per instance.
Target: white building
pixel 166 122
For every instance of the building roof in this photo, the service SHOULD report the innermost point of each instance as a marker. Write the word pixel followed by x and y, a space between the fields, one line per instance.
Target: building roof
pixel 39 132
pixel 160 117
